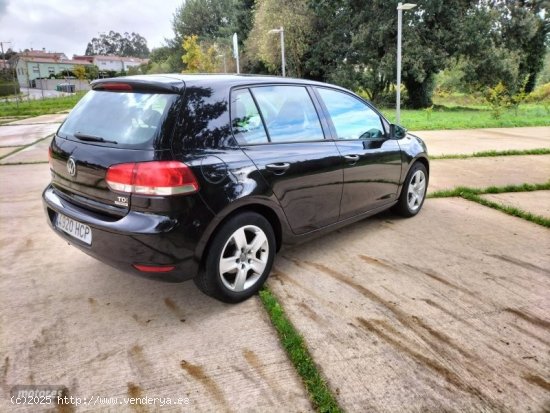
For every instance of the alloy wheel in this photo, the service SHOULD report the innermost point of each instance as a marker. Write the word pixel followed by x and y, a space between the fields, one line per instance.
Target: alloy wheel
pixel 416 190
pixel 243 258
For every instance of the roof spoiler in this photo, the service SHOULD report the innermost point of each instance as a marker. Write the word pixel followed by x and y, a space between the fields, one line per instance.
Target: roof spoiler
pixel 129 84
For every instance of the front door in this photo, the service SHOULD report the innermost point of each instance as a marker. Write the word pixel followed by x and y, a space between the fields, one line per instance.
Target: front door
pixel 372 161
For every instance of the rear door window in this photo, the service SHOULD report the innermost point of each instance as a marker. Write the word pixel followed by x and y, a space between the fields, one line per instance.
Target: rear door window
pixel 129 119
pixel 289 113
pixel 245 119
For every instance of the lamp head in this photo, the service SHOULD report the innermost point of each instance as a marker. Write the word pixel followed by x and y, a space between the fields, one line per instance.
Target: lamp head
pixel 406 6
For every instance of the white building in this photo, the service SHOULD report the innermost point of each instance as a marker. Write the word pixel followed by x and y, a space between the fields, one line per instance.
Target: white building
pixel 115 63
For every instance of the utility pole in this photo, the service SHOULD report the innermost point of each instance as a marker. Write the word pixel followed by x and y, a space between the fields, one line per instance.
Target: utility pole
pixel 236 51
pixel 400 8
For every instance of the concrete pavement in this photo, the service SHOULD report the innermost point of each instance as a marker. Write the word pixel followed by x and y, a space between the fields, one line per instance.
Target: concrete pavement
pixel 34 153
pixel 490 171
pixel 69 319
pixel 537 202
pixel 447 311
pixel 52 118
pixel 19 133
pixel 453 142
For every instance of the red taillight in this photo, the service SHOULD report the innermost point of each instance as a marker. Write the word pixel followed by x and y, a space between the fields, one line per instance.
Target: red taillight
pixel 153 268
pixel 115 86
pixel 152 178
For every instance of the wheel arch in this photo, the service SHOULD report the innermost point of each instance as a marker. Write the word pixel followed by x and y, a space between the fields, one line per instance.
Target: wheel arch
pixel 267 211
pixel 424 161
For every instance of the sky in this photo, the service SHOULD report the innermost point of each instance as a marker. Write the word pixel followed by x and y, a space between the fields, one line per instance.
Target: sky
pixel 67 26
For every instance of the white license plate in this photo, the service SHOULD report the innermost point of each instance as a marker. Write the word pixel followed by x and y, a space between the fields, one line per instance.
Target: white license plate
pixel 74 228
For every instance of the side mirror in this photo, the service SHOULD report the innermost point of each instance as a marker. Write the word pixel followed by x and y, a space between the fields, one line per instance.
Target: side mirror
pixel 397 132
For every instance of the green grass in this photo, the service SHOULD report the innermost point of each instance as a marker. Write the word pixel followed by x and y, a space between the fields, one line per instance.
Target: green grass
pixel 485 154
pixel 39 106
pixel 319 392
pixel 22 163
pixel 473 194
pixel 470 117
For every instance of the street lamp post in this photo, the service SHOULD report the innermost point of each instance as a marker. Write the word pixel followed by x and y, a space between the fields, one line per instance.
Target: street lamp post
pixel 281 30
pixel 400 8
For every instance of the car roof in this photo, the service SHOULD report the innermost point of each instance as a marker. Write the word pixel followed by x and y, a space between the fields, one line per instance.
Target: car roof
pixel 176 82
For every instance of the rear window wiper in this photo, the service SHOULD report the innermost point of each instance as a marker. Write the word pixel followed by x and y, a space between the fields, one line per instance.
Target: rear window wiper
pixel 91 138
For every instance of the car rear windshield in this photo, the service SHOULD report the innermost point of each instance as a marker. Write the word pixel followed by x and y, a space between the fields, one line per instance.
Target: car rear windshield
pixel 117 118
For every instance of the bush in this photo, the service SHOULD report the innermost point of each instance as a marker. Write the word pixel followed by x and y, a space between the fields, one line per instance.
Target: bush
pixel 498 98
pixel 540 94
pixel 9 88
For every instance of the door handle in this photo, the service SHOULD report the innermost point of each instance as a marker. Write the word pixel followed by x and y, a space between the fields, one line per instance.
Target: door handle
pixel 351 158
pixel 278 168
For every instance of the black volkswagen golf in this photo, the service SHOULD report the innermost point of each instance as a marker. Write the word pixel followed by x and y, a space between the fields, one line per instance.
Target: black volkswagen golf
pixel 205 177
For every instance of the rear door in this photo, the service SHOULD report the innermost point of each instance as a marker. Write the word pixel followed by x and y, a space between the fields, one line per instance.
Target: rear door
pixel 278 127
pixel 372 161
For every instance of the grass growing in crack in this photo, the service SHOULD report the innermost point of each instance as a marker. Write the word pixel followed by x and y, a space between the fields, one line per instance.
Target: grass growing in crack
pixel 486 154
pixel 510 210
pixel 473 194
pixel 293 343
pixel 458 191
pixel 20 148
pixel 23 163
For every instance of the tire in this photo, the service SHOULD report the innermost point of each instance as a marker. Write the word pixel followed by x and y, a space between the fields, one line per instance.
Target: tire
pixel 239 258
pixel 413 193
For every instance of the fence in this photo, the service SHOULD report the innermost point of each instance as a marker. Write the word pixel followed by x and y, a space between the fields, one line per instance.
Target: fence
pixel 51 84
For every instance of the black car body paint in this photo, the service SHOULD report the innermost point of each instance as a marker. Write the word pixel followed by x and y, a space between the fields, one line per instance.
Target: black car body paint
pixel 322 188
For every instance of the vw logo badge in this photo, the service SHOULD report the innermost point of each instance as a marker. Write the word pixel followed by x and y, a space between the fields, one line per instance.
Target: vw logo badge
pixel 71 167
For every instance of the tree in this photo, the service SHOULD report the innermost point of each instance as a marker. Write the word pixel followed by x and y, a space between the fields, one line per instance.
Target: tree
pixel 197 58
pixel 207 19
pixel 92 72
pixel 212 21
pixel 193 54
pixel 165 59
pixel 114 43
pixel 508 46
pixel 80 72
pixel 499 39
pixel 297 21
pixel 525 28
pixel 8 54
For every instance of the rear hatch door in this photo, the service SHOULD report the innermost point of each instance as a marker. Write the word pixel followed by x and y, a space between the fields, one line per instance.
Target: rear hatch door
pixel 124 124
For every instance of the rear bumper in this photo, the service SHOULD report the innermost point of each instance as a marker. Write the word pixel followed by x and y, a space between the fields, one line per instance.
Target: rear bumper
pixel 137 238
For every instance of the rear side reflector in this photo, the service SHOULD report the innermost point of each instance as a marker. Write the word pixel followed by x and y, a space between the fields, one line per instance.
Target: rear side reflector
pixel 153 268
pixel 152 178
